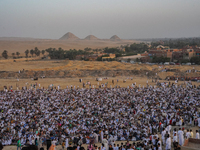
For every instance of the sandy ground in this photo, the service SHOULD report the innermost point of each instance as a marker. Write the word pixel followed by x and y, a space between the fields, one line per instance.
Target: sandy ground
pixel 37 64
pixel 68 82
pixel 15 45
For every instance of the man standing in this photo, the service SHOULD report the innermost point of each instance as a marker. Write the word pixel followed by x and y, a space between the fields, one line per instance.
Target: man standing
pixel 188 134
pixel 1 146
pixel 180 135
pixel 197 134
pixel 191 133
pixel 168 143
pixel 175 139
pixel 105 142
pixel 95 138
pixel 163 135
pixel 101 135
pixel 48 143
pixel 19 144
pixel 66 143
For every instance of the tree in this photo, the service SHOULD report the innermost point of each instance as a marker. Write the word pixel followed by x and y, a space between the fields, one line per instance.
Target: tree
pixel 18 53
pixel 32 52
pixel 43 51
pixel 13 54
pixel 37 51
pixel 136 48
pixel 87 49
pixel 195 60
pixel 5 54
pixel 27 52
pixel 160 59
pixel 111 50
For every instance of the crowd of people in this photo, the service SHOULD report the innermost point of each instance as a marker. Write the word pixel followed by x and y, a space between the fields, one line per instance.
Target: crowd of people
pixel 78 116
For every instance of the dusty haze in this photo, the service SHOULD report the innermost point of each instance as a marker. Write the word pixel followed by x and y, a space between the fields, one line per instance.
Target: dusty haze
pixel 128 19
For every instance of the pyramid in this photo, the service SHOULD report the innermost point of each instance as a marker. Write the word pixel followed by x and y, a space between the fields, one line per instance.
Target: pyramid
pixel 114 38
pixel 69 36
pixel 91 37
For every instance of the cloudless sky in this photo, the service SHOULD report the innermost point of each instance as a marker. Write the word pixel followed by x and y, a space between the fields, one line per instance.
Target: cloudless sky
pixel 129 19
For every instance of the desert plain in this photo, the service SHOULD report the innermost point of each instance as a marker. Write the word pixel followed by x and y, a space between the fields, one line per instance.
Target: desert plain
pixel 66 73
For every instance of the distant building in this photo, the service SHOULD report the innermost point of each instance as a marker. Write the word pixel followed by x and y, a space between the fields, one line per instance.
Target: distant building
pixel 92 57
pixel 197 53
pixel 133 57
pixel 157 53
pixel 177 55
pixel 169 53
pixel 111 56
pixel 145 57
pixel 79 57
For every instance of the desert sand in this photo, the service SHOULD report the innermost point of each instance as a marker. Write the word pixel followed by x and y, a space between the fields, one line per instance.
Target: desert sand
pixel 77 68
pixel 13 45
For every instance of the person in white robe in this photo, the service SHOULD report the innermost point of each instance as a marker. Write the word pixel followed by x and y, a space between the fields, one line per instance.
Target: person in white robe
pixel 66 143
pixel 180 121
pixel 111 141
pixel 175 138
pixel 198 122
pixel 197 134
pixel 101 135
pixel 168 143
pixel 163 136
pixel 105 142
pixel 39 142
pixel 159 147
pixel 159 142
pixel 103 147
pixel 188 134
pixel 180 137
pixel 95 138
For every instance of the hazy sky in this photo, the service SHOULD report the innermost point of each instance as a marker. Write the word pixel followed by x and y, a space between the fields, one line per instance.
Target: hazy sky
pixel 129 19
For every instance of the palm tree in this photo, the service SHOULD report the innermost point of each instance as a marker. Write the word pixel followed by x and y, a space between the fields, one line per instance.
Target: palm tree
pixel 18 53
pixel 13 54
pixel 32 52
pixel 5 54
pixel 43 51
pixel 27 52
pixel 37 51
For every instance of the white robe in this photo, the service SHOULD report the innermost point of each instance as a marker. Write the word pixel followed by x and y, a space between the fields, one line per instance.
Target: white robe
pixel 198 122
pixel 180 136
pixel 101 136
pixel 188 135
pixel 168 143
pixel 175 139
pixel 163 136
pixel 66 143
pixel 105 142
pixel 95 138
pixel 197 135
pixel 180 122
pixel 111 141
